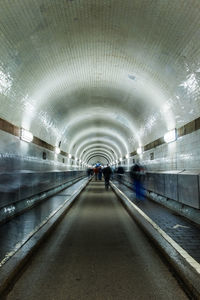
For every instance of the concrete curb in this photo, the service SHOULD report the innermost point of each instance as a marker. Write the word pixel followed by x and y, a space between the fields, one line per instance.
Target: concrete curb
pixel 187 269
pixel 10 270
pixel 190 213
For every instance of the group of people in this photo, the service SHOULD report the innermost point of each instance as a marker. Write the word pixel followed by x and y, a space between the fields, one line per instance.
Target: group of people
pixel 98 171
pixel 136 176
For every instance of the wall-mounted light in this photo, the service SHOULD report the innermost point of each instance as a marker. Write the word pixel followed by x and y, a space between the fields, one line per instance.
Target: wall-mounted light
pixel 116 161
pixel 127 155
pixel 69 155
pixel 57 150
pixel 26 135
pixel 170 136
pixel 139 150
pixel 120 159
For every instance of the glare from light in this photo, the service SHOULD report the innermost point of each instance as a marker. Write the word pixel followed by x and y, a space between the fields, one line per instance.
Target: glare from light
pixel 191 84
pixel 127 155
pixel 120 159
pixel 170 136
pixel 5 83
pixel 57 150
pixel 139 150
pixel 26 135
pixel 69 155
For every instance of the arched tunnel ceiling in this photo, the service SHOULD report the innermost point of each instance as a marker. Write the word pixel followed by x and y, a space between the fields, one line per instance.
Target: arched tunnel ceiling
pixel 93 71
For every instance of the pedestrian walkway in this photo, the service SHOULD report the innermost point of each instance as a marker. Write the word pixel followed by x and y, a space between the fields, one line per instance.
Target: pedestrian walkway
pixel 96 252
pixel 181 230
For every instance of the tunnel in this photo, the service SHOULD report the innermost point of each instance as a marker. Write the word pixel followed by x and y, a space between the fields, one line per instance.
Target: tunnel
pixel 88 84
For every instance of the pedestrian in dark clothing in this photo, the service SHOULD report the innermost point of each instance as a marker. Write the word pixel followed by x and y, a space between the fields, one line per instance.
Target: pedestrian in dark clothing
pixel 107 172
pixel 100 173
pixel 89 172
pixel 120 173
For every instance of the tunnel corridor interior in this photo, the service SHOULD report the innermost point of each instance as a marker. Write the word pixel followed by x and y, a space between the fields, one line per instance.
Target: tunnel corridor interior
pixel 112 82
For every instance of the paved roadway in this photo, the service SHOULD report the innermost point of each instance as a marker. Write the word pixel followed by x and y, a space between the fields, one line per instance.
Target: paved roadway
pixel 96 252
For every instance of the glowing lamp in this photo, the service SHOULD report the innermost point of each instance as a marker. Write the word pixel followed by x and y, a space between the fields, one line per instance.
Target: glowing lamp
pixel 170 136
pixel 26 135
pixel 139 150
pixel 57 150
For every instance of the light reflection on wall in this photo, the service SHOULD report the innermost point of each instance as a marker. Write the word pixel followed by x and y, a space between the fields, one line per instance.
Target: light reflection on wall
pixel 5 83
pixel 191 83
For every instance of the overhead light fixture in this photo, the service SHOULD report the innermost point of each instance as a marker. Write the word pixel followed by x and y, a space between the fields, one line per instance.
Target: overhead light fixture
pixel 170 136
pixel 26 135
pixel 57 150
pixel 139 150
pixel 69 155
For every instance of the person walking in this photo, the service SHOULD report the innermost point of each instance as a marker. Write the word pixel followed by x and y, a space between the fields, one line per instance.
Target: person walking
pixel 96 171
pixel 136 174
pixel 107 172
pixel 100 173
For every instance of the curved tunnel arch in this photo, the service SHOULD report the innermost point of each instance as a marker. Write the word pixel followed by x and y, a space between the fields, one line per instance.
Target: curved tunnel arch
pixel 99 133
pixel 57 77
pixel 101 148
pixel 107 154
pixel 101 141
pixel 97 155
pixel 106 122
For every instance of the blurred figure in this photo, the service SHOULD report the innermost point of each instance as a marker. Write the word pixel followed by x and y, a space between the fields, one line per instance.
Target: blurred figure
pixel 89 172
pixel 120 173
pixel 107 172
pixel 137 174
pixel 100 173
pixel 113 170
pixel 96 171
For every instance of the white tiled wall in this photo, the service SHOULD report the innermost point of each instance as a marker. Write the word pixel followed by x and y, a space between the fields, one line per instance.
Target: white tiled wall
pixel 179 155
pixel 16 155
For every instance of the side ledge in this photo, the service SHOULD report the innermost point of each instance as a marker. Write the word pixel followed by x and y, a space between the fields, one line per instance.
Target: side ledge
pixel 186 268
pixel 10 270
